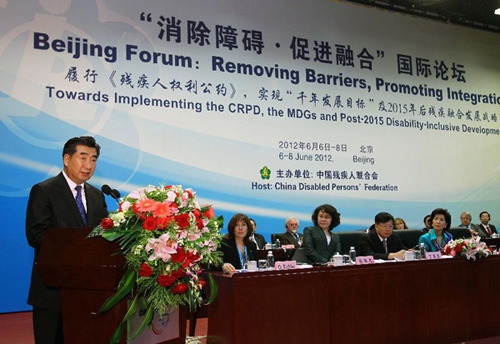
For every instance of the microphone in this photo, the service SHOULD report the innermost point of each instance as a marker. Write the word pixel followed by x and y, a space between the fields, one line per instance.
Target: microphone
pixel 106 189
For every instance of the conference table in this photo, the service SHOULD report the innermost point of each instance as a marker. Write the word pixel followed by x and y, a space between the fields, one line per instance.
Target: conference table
pixel 429 301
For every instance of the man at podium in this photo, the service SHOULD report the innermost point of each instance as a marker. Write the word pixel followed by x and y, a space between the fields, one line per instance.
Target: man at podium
pixel 63 201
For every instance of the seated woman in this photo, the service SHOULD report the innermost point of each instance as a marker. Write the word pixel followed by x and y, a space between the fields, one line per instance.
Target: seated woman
pixel 399 223
pixel 438 236
pixel 236 247
pixel 319 242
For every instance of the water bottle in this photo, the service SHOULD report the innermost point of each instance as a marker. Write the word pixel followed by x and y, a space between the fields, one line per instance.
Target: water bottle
pixel 278 243
pixel 423 251
pixel 270 260
pixel 352 255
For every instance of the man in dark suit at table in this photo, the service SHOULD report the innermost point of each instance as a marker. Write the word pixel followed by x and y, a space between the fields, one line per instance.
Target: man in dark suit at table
pixel 381 242
pixel 485 230
pixel 466 222
pixel 257 238
pixel 63 201
pixel 292 235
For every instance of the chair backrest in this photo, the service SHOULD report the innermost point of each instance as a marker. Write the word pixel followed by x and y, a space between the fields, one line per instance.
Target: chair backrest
pixel 275 236
pixel 348 239
pixel 409 237
pixel 460 232
pixel 300 256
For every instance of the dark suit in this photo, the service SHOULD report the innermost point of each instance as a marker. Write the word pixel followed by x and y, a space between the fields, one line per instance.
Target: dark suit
pixel 316 246
pixel 288 239
pixel 230 252
pixel 371 245
pixel 261 242
pixel 472 226
pixel 52 205
pixel 483 233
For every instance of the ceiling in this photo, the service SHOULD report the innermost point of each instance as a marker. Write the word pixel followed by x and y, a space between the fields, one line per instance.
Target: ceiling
pixel 472 13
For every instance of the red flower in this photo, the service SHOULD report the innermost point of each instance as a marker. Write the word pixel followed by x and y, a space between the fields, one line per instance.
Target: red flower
pixel 107 223
pixel 162 210
pixel 166 187
pixel 199 223
pixel 135 209
pixel 182 220
pixel 150 223
pixel 180 288
pixel 192 256
pixel 146 205
pixel 209 213
pixel 197 214
pixel 190 194
pixel 145 270
pixel 166 280
pixel 164 221
pixel 179 273
pixel 179 256
pixel 203 282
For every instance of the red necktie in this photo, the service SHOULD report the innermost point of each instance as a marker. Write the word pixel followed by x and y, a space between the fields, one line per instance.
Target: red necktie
pixel 488 229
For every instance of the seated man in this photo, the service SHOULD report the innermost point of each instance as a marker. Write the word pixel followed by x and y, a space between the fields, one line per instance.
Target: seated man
pixel 466 219
pixel 485 229
pixel 381 243
pixel 291 236
pixel 258 239
pixel 427 223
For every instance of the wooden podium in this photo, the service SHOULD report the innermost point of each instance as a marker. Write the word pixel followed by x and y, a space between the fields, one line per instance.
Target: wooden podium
pixel 87 270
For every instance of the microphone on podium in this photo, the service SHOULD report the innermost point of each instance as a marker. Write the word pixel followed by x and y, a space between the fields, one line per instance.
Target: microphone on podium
pixel 106 189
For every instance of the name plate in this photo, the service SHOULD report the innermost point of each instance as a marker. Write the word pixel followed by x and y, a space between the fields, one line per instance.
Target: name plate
pixel 433 255
pixel 288 246
pixel 285 265
pixel 364 260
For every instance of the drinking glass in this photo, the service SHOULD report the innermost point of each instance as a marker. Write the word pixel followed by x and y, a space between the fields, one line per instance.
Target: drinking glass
pixel 245 261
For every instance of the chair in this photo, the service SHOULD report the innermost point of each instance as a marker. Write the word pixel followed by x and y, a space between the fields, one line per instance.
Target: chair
pixel 300 255
pixel 409 237
pixel 349 239
pixel 274 237
pixel 460 232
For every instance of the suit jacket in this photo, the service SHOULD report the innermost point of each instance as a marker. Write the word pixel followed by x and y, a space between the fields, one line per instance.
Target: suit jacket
pixel 472 226
pixel 370 245
pixel 261 242
pixel 52 205
pixel 288 239
pixel 230 252
pixel 316 246
pixel 481 230
pixel 428 240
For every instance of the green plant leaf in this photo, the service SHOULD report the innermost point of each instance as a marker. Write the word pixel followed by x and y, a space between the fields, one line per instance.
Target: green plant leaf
pixel 220 221
pixel 147 320
pixel 127 285
pixel 115 338
pixel 213 289
pixel 131 310
pixel 110 235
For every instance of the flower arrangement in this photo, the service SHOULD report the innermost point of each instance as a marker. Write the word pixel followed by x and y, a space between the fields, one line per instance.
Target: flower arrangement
pixel 166 238
pixel 470 248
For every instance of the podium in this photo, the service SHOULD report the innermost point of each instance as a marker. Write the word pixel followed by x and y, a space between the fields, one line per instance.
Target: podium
pixel 87 270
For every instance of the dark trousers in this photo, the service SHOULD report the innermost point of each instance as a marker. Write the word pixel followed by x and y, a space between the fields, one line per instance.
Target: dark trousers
pixel 47 326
